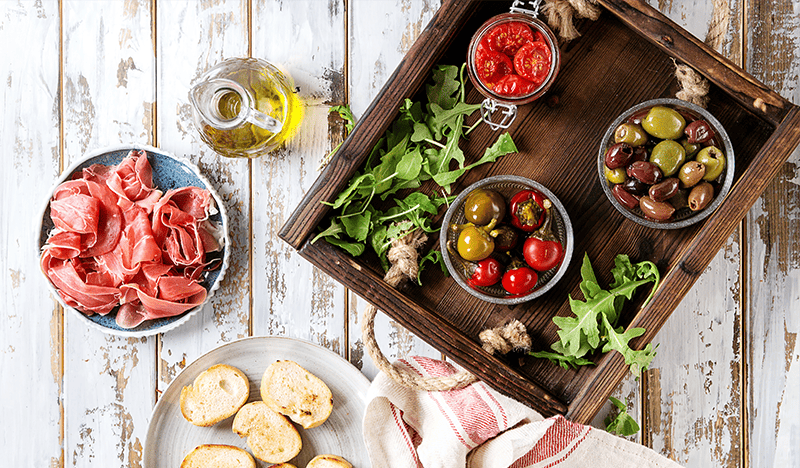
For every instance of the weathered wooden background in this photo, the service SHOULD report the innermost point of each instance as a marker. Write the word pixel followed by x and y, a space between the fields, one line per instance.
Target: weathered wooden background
pixel 77 75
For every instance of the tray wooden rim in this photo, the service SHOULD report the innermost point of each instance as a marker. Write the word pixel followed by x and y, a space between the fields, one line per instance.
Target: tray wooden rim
pixel 601 380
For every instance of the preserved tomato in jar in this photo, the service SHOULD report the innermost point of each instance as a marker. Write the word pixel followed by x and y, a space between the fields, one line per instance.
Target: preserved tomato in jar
pixel 513 58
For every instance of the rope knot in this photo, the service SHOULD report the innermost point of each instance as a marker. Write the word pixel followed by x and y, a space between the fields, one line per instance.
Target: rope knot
pixel 504 339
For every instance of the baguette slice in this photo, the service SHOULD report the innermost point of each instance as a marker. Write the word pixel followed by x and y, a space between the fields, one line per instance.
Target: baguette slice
pixel 218 456
pixel 270 436
pixel 216 394
pixel 328 461
pixel 297 393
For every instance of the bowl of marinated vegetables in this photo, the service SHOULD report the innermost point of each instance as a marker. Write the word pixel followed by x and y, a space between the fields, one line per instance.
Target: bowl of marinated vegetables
pixel 506 239
pixel 666 163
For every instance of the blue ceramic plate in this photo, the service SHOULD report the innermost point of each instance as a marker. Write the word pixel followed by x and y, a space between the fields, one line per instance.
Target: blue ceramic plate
pixel 169 172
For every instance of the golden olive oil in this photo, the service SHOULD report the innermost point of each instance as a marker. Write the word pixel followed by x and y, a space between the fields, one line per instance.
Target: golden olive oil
pixel 261 87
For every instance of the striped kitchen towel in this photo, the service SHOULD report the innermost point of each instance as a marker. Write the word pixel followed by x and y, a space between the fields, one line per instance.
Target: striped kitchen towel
pixel 477 427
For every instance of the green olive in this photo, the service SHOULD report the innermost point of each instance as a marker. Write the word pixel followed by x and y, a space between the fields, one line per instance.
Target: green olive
pixel 474 243
pixel 663 122
pixel 615 176
pixel 691 148
pixel 482 206
pixel 714 161
pixel 631 134
pixel 669 156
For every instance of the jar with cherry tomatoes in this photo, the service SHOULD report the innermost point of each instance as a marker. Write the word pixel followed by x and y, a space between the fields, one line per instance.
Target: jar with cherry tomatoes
pixel 513 58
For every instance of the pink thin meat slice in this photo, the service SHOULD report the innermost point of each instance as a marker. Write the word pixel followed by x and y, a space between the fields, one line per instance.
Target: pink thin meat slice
pixel 63 244
pixel 132 179
pixel 75 290
pixel 76 213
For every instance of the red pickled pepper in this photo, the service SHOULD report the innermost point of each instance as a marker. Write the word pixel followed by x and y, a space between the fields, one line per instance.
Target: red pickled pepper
pixel 542 249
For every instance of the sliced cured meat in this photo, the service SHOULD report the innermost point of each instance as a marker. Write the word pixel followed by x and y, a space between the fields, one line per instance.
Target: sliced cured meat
pixel 179 226
pixel 74 289
pixel 64 244
pixel 77 213
pixel 119 244
pixel 132 179
pixel 175 296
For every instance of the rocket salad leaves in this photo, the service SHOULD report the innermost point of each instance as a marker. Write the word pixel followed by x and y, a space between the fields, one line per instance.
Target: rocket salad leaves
pixel 594 325
pixel 421 144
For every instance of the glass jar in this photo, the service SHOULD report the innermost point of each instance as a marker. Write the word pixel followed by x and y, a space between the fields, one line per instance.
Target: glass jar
pixel 512 59
pixel 245 107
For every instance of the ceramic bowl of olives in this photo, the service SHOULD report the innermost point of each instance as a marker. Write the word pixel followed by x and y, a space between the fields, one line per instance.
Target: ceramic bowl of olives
pixel 506 239
pixel 666 163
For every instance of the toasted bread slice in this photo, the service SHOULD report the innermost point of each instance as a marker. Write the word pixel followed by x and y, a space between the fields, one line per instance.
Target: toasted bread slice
pixel 270 436
pixel 291 390
pixel 328 461
pixel 216 394
pixel 218 456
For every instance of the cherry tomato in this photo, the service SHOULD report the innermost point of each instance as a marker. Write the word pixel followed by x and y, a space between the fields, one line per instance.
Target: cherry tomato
pixel 519 280
pixel 532 62
pixel 484 47
pixel 509 37
pixel 527 210
pixel 542 255
pixel 514 85
pixel 492 66
pixel 487 273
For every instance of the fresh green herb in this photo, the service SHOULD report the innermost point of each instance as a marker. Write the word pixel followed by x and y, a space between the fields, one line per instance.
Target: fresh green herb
pixel 421 144
pixel 349 123
pixel 594 325
pixel 622 423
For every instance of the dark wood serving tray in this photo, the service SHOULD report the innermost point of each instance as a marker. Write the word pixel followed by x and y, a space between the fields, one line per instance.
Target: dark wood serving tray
pixel 623 58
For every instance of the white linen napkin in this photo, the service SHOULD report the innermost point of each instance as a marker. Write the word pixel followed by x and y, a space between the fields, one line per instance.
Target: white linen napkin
pixel 476 427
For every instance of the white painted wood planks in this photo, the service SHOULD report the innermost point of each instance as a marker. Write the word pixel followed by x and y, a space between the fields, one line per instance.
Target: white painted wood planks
pixel 109 80
pixel 191 38
pixel 31 399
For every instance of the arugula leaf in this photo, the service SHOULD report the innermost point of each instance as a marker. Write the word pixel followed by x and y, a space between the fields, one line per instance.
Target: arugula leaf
pixel 346 114
pixel 410 164
pixel 433 256
pixel 333 231
pixel 357 226
pixel 444 88
pixel 618 341
pixel 592 327
pixel 502 146
pixel 622 423
pixel 564 361
pixel 353 248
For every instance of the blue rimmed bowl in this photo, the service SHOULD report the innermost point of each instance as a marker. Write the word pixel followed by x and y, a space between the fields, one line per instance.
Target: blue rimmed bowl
pixel 169 172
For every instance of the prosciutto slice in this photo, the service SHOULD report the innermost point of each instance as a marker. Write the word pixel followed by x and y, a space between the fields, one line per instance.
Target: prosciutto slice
pixel 120 243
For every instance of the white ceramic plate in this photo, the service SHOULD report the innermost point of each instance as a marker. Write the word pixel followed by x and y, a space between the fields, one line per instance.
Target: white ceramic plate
pixel 170 437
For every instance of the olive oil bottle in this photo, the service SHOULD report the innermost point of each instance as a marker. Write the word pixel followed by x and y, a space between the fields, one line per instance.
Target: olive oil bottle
pixel 245 108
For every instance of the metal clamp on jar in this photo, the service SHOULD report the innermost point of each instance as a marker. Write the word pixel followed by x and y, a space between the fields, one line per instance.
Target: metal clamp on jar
pixel 512 60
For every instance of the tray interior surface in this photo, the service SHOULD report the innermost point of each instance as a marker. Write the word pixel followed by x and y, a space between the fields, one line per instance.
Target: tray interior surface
pixel 607 70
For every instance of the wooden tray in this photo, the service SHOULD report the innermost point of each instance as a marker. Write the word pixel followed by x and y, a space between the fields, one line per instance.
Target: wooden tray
pixel 623 58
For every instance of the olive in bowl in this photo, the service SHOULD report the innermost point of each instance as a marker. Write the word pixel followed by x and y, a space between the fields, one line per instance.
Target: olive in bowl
pixel 666 163
pixel 497 261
